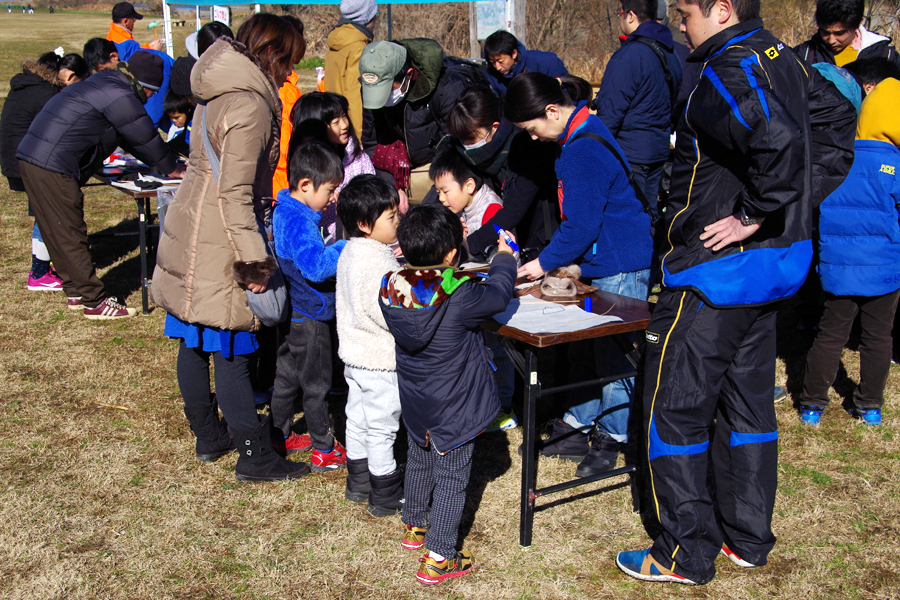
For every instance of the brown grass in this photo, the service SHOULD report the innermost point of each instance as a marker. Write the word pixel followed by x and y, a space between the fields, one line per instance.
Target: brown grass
pixel 99 502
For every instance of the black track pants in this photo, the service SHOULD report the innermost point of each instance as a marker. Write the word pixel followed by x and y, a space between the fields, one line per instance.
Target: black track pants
pixel 709 375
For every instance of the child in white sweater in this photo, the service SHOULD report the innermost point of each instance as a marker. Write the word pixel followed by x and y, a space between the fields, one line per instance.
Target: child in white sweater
pixel 368 210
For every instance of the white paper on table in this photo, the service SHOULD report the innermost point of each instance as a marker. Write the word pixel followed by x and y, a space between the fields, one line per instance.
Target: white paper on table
pixel 473 265
pixel 129 185
pixel 539 316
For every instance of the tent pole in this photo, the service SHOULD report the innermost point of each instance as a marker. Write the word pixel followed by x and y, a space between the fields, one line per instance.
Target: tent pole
pixel 390 24
pixel 197 10
pixel 167 28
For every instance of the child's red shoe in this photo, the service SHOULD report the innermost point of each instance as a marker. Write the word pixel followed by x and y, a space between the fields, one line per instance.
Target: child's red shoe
pixel 329 461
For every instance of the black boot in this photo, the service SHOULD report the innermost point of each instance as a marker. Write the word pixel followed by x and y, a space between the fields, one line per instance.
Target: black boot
pixel 358 485
pixel 386 496
pixel 564 441
pixel 257 459
pixel 213 440
pixel 601 457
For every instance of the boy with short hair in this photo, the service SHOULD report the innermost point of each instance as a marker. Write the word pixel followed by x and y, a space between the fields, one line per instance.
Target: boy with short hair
pixel 447 393
pixel 461 190
pixel 369 212
pixel 180 110
pixel 309 267
pixel 506 57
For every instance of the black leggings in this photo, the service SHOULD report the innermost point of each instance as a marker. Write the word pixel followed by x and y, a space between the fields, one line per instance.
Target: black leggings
pixel 233 391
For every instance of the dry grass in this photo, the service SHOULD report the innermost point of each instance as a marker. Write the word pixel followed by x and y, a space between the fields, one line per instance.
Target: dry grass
pixel 100 502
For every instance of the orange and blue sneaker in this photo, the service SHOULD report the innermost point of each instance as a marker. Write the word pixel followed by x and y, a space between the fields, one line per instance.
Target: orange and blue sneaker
pixel 640 565
pixel 432 571
pixel 726 551
pixel 414 537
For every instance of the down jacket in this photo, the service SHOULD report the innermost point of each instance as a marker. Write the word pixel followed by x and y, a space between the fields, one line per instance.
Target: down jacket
pixel 82 124
pixel 211 227
pixel 447 390
pixel 420 119
pixel 634 100
pixel 29 91
pixel 763 134
pixel 859 233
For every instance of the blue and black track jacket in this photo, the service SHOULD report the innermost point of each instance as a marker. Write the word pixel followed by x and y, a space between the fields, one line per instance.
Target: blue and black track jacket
pixel 761 133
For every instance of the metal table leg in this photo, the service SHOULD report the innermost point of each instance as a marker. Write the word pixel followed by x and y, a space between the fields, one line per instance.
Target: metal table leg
pixel 529 432
pixel 143 206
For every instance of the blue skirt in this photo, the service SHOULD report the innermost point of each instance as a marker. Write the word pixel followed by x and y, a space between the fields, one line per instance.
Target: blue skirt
pixel 211 339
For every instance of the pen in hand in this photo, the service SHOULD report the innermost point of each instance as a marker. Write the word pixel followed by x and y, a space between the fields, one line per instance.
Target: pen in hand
pixel 509 240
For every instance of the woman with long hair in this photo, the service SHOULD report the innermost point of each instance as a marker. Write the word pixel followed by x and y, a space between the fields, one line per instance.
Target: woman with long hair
pixel 212 251
pixel 605 230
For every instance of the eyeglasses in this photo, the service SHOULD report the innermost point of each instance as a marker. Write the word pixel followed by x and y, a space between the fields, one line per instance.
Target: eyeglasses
pixel 621 12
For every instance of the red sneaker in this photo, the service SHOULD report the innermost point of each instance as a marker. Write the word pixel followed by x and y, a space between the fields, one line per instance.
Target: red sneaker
pixel 107 310
pixel 297 443
pixel 74 303
pixel 726 551
pixel 329 461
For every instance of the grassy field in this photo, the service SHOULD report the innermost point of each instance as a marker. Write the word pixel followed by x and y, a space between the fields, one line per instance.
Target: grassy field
pixel 101 496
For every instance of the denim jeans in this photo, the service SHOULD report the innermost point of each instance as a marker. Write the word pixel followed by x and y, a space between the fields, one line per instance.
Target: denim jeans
pixel 611 408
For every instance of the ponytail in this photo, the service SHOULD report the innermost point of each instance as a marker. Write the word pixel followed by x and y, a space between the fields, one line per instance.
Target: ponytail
pixel 529 94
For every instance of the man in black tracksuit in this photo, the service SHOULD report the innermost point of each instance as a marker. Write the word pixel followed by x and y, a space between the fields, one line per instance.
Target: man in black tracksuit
pixel 761 140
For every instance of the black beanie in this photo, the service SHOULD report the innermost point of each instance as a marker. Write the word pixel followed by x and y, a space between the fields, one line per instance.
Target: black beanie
pixel 147 68
pixel 180 79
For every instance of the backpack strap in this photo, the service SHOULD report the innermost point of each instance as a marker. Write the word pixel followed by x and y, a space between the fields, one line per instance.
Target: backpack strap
pixel 663 59
pixel 637 190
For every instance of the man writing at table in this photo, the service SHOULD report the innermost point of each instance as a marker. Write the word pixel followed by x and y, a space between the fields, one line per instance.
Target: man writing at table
pixel 759 140
pixel 66 144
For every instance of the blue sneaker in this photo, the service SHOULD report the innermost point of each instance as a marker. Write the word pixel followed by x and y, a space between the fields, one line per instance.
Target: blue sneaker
pixel 810 415
pixel 640 565
pixel 869 416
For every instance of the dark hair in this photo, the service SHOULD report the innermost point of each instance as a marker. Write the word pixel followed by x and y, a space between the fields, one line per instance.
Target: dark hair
pixel 848 12
pixel 298 25
pixel 174 103
pixel 644 10
pixel 744 9
pixel 324 107
pixel 97 51
pixel 76 64
pixel 363 200
pixel 873 69
pixel 49 60
pixel 529 94
pixel 449 162
pixel 209 33
pixel 478 108
pixel 500 42
pixel 427 233
pixel 314 161
pixel 576 88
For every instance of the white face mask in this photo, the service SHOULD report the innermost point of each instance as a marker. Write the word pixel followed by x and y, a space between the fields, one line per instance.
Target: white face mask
pixel 476 144
pixel 397 95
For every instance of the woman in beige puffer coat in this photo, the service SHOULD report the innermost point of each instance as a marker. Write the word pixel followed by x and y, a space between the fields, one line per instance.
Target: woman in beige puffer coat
pixel 212 251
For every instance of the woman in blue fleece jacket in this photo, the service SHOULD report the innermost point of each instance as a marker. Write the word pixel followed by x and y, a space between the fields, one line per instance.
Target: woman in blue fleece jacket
pixel 605 230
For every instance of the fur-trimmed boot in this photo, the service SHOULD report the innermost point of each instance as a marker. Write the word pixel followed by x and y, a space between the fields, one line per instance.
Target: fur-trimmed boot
pixel 213 439
pixel 257 459
pixel 358 485
pixel 386 497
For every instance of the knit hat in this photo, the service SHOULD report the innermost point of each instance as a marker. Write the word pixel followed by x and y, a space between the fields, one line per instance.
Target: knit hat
pixel 878 114
pixel 180 79
pixel 147 68
pixel 378 65
pixel 359 11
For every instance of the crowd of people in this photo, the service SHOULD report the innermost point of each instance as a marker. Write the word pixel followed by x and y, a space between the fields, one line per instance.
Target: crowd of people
pixel 725 174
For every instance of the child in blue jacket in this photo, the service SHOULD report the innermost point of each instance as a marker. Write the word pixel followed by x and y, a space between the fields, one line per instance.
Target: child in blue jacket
pixel 447 393
pixel 859 263
pixel 304 360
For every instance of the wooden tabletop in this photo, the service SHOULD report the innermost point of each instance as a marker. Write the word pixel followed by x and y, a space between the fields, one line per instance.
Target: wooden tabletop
pixel 635 315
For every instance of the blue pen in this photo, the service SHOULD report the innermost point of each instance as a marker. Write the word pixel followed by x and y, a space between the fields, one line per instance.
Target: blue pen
pixel 512 244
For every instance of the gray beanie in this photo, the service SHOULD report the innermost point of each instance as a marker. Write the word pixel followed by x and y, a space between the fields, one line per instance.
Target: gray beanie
pixel 359 11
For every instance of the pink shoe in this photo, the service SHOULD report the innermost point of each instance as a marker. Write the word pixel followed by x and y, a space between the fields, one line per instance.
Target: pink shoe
pixel 49 282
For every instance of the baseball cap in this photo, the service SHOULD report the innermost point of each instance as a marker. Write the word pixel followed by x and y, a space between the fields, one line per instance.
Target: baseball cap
pixel 123 10
pixel 379 64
